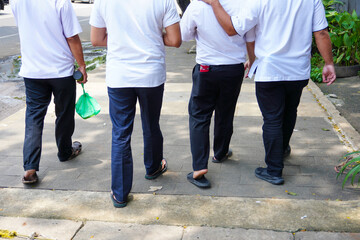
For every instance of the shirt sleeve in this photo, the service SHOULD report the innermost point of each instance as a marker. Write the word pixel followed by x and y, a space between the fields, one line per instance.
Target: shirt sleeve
pixel 96 19
pixel 250 35
pixel 171 15
pixel 188 24
pixel 319 18
pixel 71 26
pixel 247 19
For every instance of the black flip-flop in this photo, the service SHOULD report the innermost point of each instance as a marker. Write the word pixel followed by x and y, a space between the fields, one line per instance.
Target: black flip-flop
pixel 116 203
pixel 30 180
pixel 229 154
pixel 158 172
pixel 201 182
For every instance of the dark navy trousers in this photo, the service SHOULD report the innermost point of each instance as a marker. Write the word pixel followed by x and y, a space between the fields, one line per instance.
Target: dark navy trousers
pixel 122 104
pixel 216 90
pixel 38 97
pixel 278 102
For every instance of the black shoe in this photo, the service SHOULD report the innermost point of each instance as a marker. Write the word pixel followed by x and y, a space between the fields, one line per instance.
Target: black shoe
pixel 229 154
pixel 263 175
pixel 287 151
pixel 201 182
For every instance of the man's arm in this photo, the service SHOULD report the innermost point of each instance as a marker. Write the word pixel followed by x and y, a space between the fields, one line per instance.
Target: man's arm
pixel 221 15
pixel 172 36
pixel 323 43
pixel 98 36
pixel 250 46
pixel 77 51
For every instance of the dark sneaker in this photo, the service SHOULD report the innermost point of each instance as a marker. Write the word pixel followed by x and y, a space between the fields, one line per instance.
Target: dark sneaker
pixel 263 175
pixel 287 151
pixel 201 182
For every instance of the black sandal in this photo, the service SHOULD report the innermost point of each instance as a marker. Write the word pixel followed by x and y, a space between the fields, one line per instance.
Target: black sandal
pixel 160 171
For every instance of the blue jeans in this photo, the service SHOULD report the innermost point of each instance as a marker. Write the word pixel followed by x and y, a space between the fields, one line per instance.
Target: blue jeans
pixel 216 90
pixel 122 113
pixel 278 102
pixel 38 97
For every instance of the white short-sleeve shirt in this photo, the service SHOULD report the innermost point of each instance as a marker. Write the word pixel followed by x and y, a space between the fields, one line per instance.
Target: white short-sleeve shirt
pixel 44 26
pixel 283 30
pixel 213 45
pixel 136 50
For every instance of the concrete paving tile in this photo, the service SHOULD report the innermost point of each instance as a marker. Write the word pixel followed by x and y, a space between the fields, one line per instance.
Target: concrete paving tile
pixel 110 231
pixel 291 170
pixel 326 236
pixel 206 233
pixel 189 189
pixel 10 181
pixel 46 228
pixel 304 181
pixel 299 160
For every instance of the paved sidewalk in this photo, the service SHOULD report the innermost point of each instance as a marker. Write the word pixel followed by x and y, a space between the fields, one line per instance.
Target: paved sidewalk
pixel 79 189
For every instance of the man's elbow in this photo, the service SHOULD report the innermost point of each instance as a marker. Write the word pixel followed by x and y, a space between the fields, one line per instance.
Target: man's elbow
pixel 174 42
pixel 230 31
pixel 96 42
pixel 177 43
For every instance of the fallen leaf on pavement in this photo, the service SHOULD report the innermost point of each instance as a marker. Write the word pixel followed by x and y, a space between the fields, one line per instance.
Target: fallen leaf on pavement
pixel 154 188
pixel 291 193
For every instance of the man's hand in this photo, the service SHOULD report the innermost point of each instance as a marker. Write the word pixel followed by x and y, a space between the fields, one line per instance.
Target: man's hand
pixel 82 69
pixel 329 75
pixel 247 67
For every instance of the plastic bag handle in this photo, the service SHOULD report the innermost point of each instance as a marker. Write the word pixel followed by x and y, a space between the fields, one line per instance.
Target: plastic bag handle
pixel 83 87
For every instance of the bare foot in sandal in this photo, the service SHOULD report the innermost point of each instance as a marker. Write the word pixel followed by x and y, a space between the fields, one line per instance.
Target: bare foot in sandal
pixel 30 177
pixel 76 149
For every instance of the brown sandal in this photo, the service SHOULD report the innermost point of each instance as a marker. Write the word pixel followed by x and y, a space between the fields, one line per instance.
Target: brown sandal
pixel 31 179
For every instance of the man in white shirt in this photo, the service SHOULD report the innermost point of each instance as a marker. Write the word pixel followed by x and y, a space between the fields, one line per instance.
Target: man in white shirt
pixel 49 40
pixel 217 79
pixel 135 70
pixel 284 31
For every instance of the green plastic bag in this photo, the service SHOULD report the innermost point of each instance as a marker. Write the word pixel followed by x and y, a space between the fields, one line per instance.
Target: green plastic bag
pixel 87 106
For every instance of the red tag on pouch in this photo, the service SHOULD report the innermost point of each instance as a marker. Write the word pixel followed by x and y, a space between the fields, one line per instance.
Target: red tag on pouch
pixel 204 68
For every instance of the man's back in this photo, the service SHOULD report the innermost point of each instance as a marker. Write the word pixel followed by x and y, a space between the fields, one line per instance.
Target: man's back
pixel 44 26
pixel 134 39
pixel 283 36
pixel 214 46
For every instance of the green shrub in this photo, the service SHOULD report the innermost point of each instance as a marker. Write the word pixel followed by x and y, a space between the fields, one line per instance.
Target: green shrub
pixel 351 167
pixel 345 37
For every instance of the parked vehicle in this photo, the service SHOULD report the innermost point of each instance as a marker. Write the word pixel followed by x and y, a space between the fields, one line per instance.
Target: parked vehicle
pixel 3 3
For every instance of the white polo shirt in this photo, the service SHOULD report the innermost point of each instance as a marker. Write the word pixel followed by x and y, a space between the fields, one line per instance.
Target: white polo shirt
pixel 283 36
pixel 136 51
pixel 213 45
pixel 44 26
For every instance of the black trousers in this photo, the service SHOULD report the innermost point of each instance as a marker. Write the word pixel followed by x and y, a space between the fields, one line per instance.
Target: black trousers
pixel 183 4
pixel 216 90
pixel 278 102
pixel 38 97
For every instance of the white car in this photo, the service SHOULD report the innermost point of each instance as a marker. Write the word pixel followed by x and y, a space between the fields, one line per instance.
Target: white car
pixel 89 1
